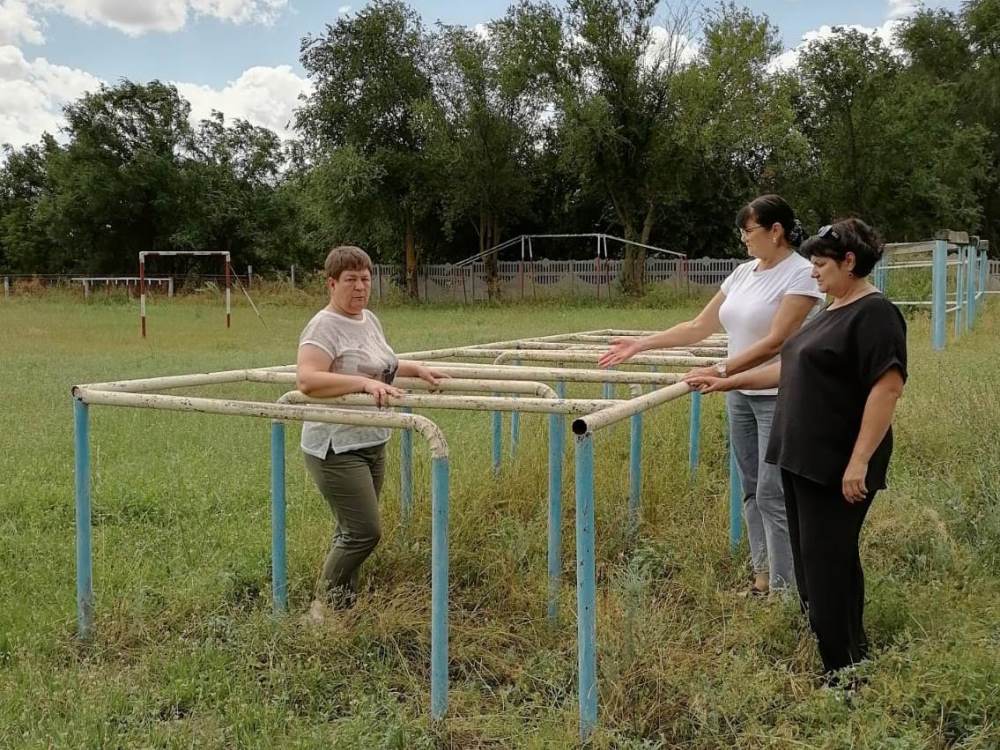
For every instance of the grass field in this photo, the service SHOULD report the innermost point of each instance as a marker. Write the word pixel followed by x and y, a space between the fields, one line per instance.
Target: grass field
pixel 187 653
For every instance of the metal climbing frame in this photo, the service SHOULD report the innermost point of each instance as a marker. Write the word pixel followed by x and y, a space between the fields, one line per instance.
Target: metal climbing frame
pixel 491 386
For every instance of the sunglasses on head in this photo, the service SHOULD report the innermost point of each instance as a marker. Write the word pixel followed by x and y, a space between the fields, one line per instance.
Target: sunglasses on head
pixel 828 231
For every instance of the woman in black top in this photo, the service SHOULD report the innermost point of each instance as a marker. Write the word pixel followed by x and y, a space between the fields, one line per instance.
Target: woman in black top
pixel 839 379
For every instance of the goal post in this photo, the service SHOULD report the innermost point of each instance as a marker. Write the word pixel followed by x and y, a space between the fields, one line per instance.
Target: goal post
pixel 142 279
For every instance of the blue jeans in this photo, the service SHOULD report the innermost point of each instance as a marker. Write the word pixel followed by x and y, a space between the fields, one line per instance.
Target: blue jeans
pixel 764 513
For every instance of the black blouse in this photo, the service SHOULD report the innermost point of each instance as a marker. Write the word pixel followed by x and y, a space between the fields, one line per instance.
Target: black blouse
pixel 828 369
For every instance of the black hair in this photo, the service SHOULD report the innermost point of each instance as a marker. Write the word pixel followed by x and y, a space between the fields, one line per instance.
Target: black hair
pixel 769 210
pixel 843 237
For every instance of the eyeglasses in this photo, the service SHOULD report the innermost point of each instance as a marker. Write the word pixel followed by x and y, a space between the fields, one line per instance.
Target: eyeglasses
pixel 746 231
pixel 828 231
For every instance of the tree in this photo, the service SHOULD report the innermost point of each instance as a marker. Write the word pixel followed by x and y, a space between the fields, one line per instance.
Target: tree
pixel 369 81
pixel 117 187
pixel 618 115
pixel 24 180
pixel 483 133
pixel 739 122
pixel 234 171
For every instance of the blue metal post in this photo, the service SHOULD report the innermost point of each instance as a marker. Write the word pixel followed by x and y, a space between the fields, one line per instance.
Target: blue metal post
pixel 561 389
pixel 940 293
pixel 406 471
pixel 608 391
pixel 279 560
pixel 586 614
pixel 694 434
pixel 960 291
pixel 984 272
pixel 84 559
pixel 440 487
pixel 635 471
pixel 971 279
pixel 497 419
pixel 557 427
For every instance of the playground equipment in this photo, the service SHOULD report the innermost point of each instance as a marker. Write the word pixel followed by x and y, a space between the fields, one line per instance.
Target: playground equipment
pixel 959 279
pixel 496 388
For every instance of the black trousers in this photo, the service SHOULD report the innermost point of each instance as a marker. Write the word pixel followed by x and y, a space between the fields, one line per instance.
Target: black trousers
pixel 824 529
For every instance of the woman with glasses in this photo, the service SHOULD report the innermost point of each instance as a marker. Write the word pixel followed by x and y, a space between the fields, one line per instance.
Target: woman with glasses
pixel 759 306
pixel 838 379
pixel 343 350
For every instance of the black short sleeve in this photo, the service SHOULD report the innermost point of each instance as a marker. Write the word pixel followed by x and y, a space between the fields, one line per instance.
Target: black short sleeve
pixel 881 343
pixel 828 369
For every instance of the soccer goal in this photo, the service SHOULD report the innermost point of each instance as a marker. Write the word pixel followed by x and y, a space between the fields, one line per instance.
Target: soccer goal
pixel 142 279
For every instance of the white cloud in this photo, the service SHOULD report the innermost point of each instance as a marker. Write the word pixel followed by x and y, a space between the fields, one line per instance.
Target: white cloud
pixel 902 8
pixel 137 17
pixel 33 94
pixel 896 11
pixel 17 24
pixel 263 96
pixel 343 10
pixel 666 47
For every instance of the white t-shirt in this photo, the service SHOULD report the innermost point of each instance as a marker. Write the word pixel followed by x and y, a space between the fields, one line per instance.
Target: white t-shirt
pixel 753 298
pixel 357 347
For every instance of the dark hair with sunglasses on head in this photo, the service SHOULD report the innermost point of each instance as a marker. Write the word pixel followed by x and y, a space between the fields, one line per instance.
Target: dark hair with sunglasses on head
pixel 836 240
pixel 768 210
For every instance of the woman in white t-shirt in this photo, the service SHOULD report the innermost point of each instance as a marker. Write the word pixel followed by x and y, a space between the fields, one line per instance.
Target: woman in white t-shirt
pixel 343 350
pixel 760 305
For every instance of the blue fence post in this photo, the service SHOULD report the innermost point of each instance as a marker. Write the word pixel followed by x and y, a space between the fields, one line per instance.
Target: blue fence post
pixel 694 434
pixel 406 471
pixel 940 294
pixel 84 559
pixel 586 615
pixel 984 272
pixel 440 489
pixel 561 389
pixel 497 419
pixel 635 471
pixel 279 560
pixel 960 299
pixel 557 427
pixel 971 279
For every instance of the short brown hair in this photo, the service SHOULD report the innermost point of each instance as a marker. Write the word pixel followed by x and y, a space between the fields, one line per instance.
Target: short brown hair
pixel 347 258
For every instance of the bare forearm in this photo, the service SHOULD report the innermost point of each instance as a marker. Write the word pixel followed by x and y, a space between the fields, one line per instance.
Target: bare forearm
pixel 329 384
pixel 682 334
pixel 763 350
pixel 407 369
pixel 879 408
pixel 756 379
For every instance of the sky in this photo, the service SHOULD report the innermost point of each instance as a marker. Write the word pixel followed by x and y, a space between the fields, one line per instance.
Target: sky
pixel 241 56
